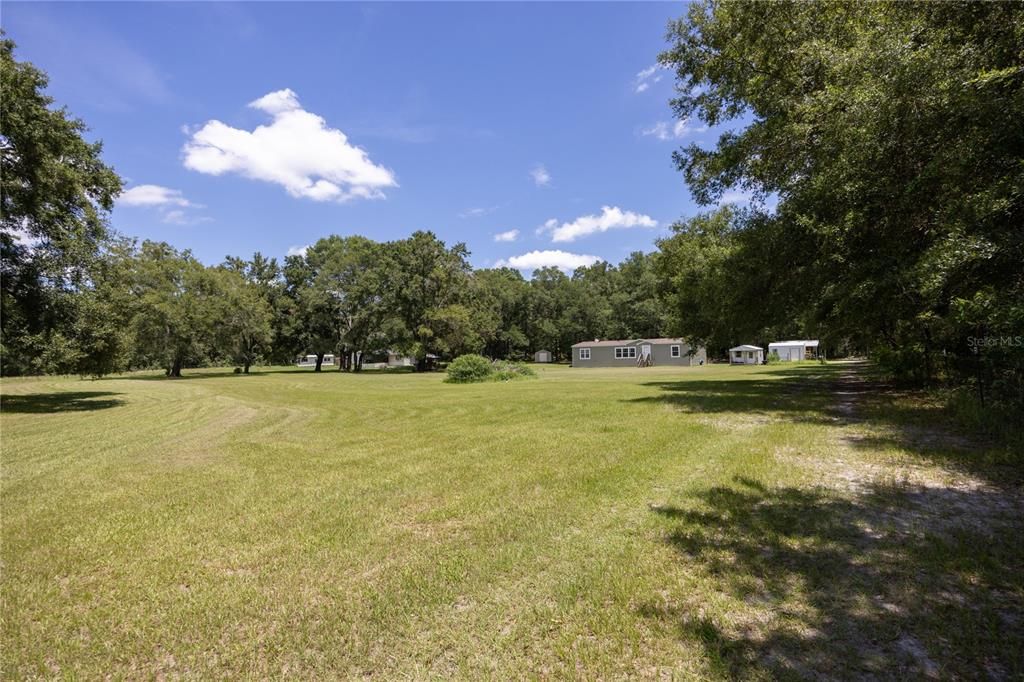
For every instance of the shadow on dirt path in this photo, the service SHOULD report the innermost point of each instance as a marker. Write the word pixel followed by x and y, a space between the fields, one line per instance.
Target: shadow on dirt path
pixel 908 565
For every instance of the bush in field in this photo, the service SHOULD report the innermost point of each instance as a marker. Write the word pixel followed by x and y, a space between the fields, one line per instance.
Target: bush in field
pixel 773 358
pixel 509 370
pixel 467 369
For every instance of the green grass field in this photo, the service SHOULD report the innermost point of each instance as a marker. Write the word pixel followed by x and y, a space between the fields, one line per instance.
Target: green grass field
pixel 720 522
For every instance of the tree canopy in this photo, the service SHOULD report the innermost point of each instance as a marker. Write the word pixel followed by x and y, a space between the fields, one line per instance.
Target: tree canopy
pixel 54 201
pixel 890 136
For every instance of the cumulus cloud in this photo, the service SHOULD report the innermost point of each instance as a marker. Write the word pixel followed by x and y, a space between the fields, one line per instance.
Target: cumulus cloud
pixel 298 250
pixel 509 236
pixel 540 176
pixel 646 78
pixel 672 131
pixel 152 195
pixel 297 150
pixel 611 218
pixel 546 259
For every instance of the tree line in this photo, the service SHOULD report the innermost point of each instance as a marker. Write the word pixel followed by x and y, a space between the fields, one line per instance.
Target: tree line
pixel 149 305
pixel 890 135
pixel 880 144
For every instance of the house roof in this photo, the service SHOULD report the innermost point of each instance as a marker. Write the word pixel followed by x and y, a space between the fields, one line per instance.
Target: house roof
pixel 812 344
pixel 625 342
pixel 746 346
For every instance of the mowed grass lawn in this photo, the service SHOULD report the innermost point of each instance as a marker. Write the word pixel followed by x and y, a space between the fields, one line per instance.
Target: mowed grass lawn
pixel 666 522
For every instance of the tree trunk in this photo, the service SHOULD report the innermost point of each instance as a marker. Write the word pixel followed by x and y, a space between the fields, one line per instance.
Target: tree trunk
pixel 929 371
pixel 245 367
pixel 319 361
pixel 175 370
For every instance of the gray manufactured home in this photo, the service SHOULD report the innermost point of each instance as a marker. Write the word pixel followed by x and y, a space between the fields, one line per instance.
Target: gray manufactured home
pixel 637 353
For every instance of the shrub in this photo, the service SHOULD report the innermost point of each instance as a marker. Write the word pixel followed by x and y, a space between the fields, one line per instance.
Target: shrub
pixel 773 358
pixel 467 369
pixel 509 370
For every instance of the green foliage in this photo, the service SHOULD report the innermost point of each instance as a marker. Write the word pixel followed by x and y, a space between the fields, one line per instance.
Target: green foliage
pixel 890 133
pixel 55 196
pixel 500 305
pixel 244 331
pixel 429 295
pixel 511 370
pixel 773 358
pixel 179 308
pixel 349 290
pixel 470 368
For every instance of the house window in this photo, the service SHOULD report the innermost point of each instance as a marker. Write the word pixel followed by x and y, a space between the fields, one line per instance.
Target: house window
pixel 625 352
pixel 675 351
pixel 584 353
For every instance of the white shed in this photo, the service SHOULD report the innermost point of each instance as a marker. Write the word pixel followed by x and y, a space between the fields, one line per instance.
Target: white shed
pixel 542 356
pixel 792 351
pixel 746 355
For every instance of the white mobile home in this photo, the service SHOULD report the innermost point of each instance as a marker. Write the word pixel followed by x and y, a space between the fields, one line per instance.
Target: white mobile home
pixel 390 359
pixel 792 351
pixel 746 355
pixel 310 360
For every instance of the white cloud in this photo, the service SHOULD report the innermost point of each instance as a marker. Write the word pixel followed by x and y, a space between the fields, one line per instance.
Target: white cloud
pixel 735 197
pixel 611 218
pixel 478 212
pixel 175 217
pixel 665 131
pixel 509 236
pixel 540 176
pixel 644 79
pixel 152 195
pixel 297 151
pixel 170 203
pixel 179 217
pixel 298 250
pixel 545 259
pixel 277 102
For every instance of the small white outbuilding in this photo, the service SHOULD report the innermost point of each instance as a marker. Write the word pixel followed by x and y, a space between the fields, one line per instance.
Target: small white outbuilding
pixel 746 355
pixel 542 356
pixel 793 351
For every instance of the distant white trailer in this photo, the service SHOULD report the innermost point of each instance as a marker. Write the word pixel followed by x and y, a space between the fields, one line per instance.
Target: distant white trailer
pixel 310 360
pixel 542 356
pixel 746 355
pixel 793 351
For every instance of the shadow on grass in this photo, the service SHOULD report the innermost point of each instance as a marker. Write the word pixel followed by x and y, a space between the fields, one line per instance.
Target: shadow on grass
pixel 67 401
pixel 809 584
pixel 196 374
pixel 185 376
pixel 845 395
pixel 801 389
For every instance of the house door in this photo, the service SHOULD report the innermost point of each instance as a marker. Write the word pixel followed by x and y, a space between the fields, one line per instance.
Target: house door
pixel 645 351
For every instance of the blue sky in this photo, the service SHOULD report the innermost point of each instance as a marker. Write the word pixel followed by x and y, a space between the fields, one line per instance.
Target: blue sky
pixel 515 127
